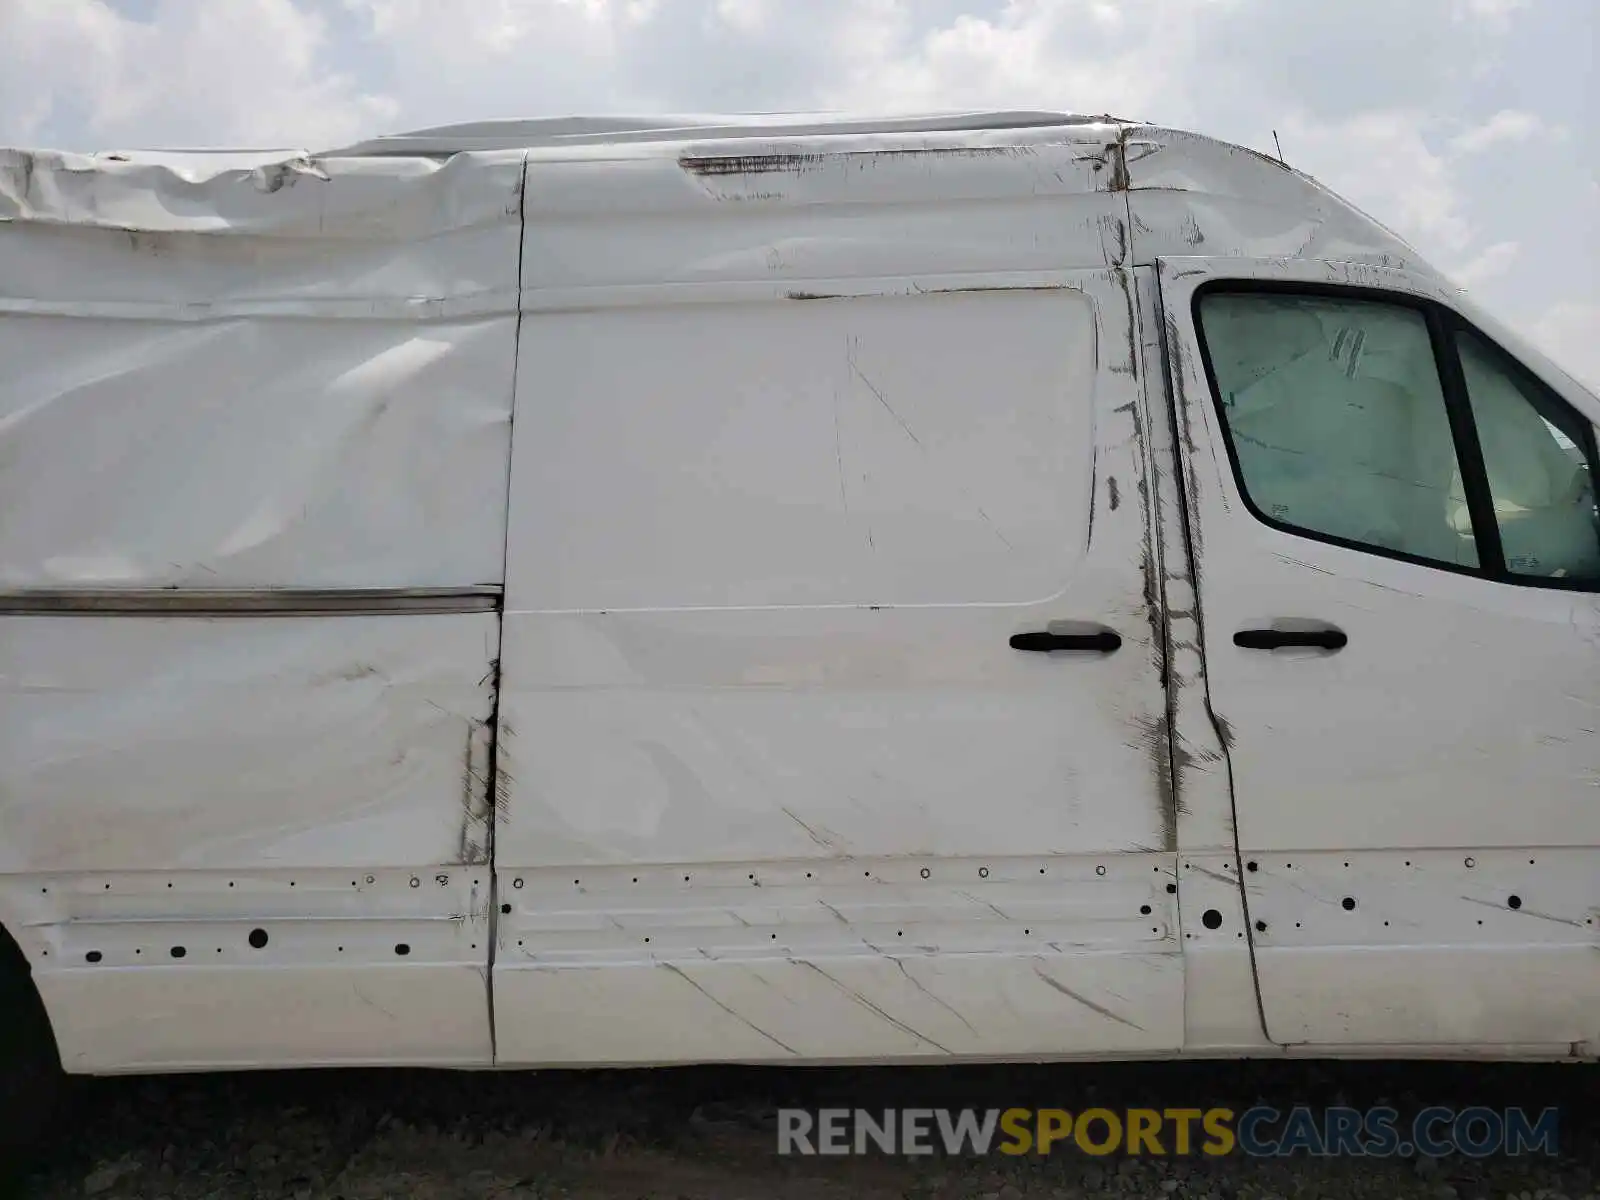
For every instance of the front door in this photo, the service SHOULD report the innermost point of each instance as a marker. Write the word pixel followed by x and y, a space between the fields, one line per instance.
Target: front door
pixel 1398 575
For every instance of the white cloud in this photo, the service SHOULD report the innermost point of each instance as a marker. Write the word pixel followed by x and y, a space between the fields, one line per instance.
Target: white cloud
pixel 1490 263
pixel 34 36
pixel 1570 333
pixel 1381 100
pixel 1507 125
pixel 1081 55
pixel 250 73
pixel 745 16
pixel 1381 162
pixel 1496 14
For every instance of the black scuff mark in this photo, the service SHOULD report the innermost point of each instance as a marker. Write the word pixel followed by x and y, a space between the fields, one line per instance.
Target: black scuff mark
pixel 749 197
pixel 751 164
pixel 1056 984
pixel 1184 760
pixel 842 919
pixel 827 844
pixel 145 241
pixel 1113 492
pixel 1112 230
pixel 984 904
pixel 1183 434
pixel 1525 912
pixel 1266 158
pixel 1157 737
pixel 370 1002
pixel 1224 730
pixel 949 1008
pixel 1219 876
pixel 1117 155
pixel 916 289
pixel 1094 488
pixel 1152 591
pixel 737 1016
pixel 1123 281
pixel 1151 149
pixel 710 166
pixel 871 1007
pixel 1149 568
pixel 350 673
pixel 25 169
pixel 476 789
pixel 855 369
pixel 844 495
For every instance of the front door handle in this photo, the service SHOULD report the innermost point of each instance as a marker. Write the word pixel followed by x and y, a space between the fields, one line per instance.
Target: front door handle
pixel 1281 639
pixel 1103 641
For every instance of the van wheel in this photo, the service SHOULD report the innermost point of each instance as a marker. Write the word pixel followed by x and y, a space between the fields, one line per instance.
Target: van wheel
pixel 32 1084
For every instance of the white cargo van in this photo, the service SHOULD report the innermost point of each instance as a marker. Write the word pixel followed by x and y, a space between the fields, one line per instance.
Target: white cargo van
pixel 994 586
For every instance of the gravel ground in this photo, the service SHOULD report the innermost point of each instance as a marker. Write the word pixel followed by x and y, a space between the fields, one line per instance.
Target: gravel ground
pixel 709 1134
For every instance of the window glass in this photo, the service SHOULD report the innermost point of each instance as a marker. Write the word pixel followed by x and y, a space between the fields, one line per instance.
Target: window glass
pixel 1337 416
pixel 1540 478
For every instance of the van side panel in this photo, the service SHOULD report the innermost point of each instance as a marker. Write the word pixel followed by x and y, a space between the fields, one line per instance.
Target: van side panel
pixel 236 839
pixel 248 380
pixel 197 812
pixel 781 549
pixel 800 446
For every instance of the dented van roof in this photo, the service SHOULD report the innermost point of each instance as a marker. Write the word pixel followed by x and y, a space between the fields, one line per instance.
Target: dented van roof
pixel 1271 208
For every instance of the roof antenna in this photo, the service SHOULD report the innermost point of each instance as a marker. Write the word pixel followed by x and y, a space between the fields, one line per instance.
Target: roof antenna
pixel 1279 145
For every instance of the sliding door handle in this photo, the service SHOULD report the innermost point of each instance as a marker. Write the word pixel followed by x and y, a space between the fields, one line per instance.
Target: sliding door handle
pixel 1103 641
pixel 1283 639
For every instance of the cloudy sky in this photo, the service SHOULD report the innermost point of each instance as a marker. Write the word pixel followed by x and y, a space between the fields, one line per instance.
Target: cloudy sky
pixel 1470 126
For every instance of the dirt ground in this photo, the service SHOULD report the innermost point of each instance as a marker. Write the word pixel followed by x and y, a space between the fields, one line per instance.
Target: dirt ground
pixel 710 1134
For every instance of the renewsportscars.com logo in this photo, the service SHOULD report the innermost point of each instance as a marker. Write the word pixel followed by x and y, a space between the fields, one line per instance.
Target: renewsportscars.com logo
pixel 1260 1131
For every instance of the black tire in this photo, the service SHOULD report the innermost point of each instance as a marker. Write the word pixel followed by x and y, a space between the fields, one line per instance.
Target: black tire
pixel 32 1084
